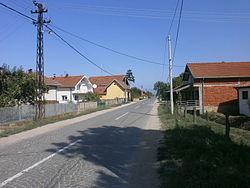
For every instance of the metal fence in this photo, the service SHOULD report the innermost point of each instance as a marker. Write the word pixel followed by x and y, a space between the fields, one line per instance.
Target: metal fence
pixel 27 112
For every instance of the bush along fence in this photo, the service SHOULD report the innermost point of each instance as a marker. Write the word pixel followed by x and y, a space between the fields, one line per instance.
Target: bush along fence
pixel 27 112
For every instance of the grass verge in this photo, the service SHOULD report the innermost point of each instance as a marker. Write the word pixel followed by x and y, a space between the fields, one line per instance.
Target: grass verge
pixel 28 125
pixel 200 156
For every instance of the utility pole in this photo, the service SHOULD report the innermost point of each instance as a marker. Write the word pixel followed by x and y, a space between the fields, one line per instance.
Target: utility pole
pixel 40 99
pixel 170 74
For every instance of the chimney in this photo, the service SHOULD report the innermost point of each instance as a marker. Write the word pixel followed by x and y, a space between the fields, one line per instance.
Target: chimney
pixel 30 71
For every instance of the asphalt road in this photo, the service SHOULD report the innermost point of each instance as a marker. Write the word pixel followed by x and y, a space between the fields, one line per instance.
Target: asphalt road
pixel 116 149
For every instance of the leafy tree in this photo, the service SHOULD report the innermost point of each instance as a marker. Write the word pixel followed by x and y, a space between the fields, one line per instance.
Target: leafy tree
pixel 91 97
pixel 177 81
pixel 135 92
pixel 161 89
pixel 130 76
pixel 16 87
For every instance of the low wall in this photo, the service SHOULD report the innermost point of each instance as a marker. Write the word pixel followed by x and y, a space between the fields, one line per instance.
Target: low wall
pixel 87 106
pixel 27 112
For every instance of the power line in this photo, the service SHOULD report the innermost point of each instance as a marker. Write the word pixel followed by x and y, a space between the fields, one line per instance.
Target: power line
pixel 178 30
pixel 107 48
pixel 18 12
pixel 77 51
pixel 175 11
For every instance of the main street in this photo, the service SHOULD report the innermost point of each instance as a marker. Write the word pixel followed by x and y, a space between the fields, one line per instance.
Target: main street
pixel 114 148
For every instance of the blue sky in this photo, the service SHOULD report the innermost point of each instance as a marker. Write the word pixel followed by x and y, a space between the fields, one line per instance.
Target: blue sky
pixel 211 31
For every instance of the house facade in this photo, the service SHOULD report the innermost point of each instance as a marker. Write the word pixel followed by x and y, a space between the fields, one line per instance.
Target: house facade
pixel 67 88
pixel 244 99
pixel 213 86
pixel 111 87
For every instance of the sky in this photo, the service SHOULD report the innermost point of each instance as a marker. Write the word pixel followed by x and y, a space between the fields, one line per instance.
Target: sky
pixel 210 31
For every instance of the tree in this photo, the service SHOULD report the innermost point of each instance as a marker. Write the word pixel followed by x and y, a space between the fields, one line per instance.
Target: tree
pixel 177 81
pixel 130 76
pixel 164 88
pixel 91 97
pixel 135 92
pixel 16 87
pixel 161 89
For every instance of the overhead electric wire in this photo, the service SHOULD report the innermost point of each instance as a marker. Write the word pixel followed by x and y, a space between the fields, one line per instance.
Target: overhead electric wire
pixel 175 11
pixel 107 48
pixel 77 51
pixel 178 30
pixel 18 12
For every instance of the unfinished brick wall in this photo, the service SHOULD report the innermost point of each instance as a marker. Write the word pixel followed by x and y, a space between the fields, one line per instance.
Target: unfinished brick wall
pixel 220 95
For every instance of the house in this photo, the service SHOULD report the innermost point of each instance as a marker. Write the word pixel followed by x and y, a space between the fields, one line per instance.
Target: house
pixel 67 88
pixel 244 99
pixel 213 86
pixel 111 87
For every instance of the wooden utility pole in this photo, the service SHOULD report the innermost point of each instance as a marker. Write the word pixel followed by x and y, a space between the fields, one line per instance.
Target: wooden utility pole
pixel 40 99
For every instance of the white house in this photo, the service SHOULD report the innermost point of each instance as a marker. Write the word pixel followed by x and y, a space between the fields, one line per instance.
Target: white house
pixel 67 88
pixel 244 97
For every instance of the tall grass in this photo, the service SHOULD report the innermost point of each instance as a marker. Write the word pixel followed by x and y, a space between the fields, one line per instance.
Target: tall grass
pixel 197 156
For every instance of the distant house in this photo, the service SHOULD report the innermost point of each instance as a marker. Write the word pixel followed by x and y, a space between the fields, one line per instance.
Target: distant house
pixel 244 98
pixel 67 88
pixel 111 87
pixel 212 86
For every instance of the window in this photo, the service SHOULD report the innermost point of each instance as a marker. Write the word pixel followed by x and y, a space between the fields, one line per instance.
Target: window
pixel 78 86
pixel 244 94
pixel 64 97
pixel 76 97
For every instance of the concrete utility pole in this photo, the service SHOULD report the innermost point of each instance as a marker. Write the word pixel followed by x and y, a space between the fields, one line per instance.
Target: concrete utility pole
pixel 170 74
pixel 40 99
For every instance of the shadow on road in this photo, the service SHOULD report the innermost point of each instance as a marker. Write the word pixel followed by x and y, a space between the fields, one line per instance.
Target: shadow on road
pixel 112 150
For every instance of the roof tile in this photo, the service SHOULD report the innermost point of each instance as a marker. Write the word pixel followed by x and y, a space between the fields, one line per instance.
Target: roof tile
pixel 224 69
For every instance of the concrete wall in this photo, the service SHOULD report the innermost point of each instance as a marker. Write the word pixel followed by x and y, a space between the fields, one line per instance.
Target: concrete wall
pixel 243 106
pixel 51 95
pixel 87 106
pixel 64 92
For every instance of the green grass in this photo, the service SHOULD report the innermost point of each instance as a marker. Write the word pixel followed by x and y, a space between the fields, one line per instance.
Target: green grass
pixel 197 156
pixel 34 124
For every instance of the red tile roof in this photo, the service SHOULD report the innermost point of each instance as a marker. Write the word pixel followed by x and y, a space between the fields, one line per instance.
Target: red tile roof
pixel 67 81
pixel 103 82
pixel 50 82
pixel 222 70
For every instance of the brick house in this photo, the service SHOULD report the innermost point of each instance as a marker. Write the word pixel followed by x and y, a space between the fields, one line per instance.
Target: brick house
pixel 244 98
pixel 111 87
pixel 213 86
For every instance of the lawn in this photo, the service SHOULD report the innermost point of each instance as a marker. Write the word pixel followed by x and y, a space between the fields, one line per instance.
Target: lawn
pixel 197 156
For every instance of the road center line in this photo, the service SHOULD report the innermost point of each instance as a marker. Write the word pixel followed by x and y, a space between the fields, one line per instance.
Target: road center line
pixel 37 164
pixel 137 106
pixel 121 116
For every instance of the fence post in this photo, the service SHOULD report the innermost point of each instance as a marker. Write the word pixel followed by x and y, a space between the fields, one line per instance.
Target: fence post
pixel 19 112
pixel 227 126
pixel 185 111
pixel 194 116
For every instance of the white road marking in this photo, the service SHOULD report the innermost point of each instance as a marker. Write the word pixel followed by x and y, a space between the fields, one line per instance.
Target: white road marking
pixel 137 106
pixel 121 116
pixel 36 164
